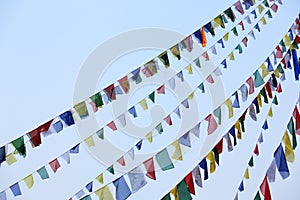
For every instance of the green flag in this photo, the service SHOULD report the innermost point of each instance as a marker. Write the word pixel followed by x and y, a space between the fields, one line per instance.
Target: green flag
pixel 43 173
pixel 258 80
pixel 257 196
pixel 275 100
pixel 201 87
pixel 163 160
pixel 20 146
pixel 291 128
pixel 166 197
pixel 251 162
pixel 97 99
pixel 264 94
pixel 100 133
pixel 183 191
pixel 152 97
pixel 111 169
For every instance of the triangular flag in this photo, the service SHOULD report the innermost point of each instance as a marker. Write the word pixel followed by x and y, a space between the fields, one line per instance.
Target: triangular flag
pixel 29 181
pixel 99 178
pixel 236 103
pixel 168 120
pixel 246 175
pixel 132 111
pixel 203 165
pixel 238 6
pixel 210 156
pixel 177 112
pixel 4 197
pixel 55 165
pixel 245 41
pixel 271 172
pixel 242 25
pixel 244 92
pixel 190 183
pixel 234 30
pixel 265 190
pixel 258 80
pixel 137 179
pixel 183 191
pixel 121 119
pixel 100 133
pixel 89 186
pixel 124 83
pixel 159 128
pixel 172 83
pixel 220 41
pixel 131 153
pixel 152 97
pixel 121 161
pixel 241 187
pixel 231 56
pixel 228 141
pixel 149 165
pixel 212 124
pixel 197 176
pixel 163 160
pixel 256 151
pixel 122 189
pixel 281 163
pixel 161 90
pixel 185 103
pixel 104 193
pixel 224 63
pixel 265 125
pixel 112 126
pixel 228 103
pixel 89 141
pixel 163 57
pixel 289 152
pixel 149 136
pixel 230 14
pixel 257 196
pixel 205 55
pixel 217 113
pixel 177 154
pixel 139 145
pixel 185 140
pixel 260 8
pixel 251 33
pixel 251 162
pixel 210 79
pixel 66 156
pixel 20 146
pixel 110 169
pixel 226 36
pixel 175 51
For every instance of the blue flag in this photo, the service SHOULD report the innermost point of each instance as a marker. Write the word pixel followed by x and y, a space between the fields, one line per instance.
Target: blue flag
pixel 15 188
pixel 281 163
pixel 122 189
pixel 296 64
pixel 67 117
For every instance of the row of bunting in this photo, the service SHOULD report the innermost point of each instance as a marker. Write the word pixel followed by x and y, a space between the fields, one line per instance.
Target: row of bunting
pixel 68 118
pixel 255 82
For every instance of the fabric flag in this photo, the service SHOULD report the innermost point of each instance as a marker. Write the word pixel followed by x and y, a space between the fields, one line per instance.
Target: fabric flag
pixel 228 103
pixel 75 149
pixel 161 90
pixel 4 197
pixel 244 92
pixel 231 56
pixel 111 169
pixel 219 21
pixel 242 25
pixel 239 48
pixel 110 92
pixel 278 53
pixel 263 20
pixel 180 76
pixel 79 194
pixel 87 197
pixel 260 8
pixel 260 138
pixel 269 14
pixel 81 110
pixel 174 192
pixel 29 181
pixel 251 33
pixel 100 133
pixel 224 63
pixel 257 196
pixel 139 144
pixel 66 157
pixel 177 112
pixel 228 141
pixel 122 189
pixel 43 173
pixel 265 190
pixel 137 179
pixel 15 188
pixel 248 20
pixel 256 151
pixel 118 90
pixel 213 50
pixel 217 72
pixel 172 83
pixel 163 57
pixel 20 146
pixel 55 165
pixel 236 103
pixel 149 136
pixel 121 119
pixel 97 99
pixel 168 120
pixel 252 112
pixel 269 90
pixel 238 6
pixel 2 154
pixel 220 41
pixel 217 113
pixel 212 124
pixel 121 161
pixel 177 154
pixel 205 55
pixel 245 41
pixel 270 113
pixel 291 128
pixel 58 126
pixel 104 193
pixel 251 162
pixel 246 174
pixel 185 139
pixel 197 62
pixel 159 128
pixel 232 132
pixel 196 130
pixel 183 191
pixel 258 80
pixel 209 28
pixel 124 83
pixel 265 125
pixel 264 71
pixel 99 178
pixel 281 162
pixel 204 41
pixel 289 152
pixel 89 141
pixel 149 165
pixel 257 27
pixel 175 51
pixel 94 107
pixel 226 36
pixel 152 97
pixel 166 197
pixel 197 176
pixel 163 160
pixel 112 126
pixel 185 103
pixel 147 72
pixel 190 183
pixel 210 79
pixel 254 14
pixel 241 187
pixel 67 117
pixel 203 165
pixel 230 14
pixel 35 135
pixel 271 172
pixel 210 156
pixel 132 111
pixel 136 75
pixel 296 64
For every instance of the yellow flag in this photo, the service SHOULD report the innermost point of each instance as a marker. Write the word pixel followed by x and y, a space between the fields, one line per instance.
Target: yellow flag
pixel 264 71
pixel 228 103
pixel 177 155
pixel 29 181
pixel 237 125
pixel 276 72
pixel 270 113
pixel 11 159
pixel 189 68
pixel 174 192
pixel 175 51
pixel 260 8
pixel 210 156
pixel 246 175
pixel 218 20
pixel 263 20
pixel 143 104
pixel 259 100
pixel 231 56
pixel 287 40
pixel 104 193
pixel 149 137
pixel 226 36
pixel 289 152
pixel 191 96
pixel 90 141
pixel 100 178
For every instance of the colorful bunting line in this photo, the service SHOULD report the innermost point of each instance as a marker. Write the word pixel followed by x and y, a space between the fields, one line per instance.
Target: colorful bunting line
pixel 108 94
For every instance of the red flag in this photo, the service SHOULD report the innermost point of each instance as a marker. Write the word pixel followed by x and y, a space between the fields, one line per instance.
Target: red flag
pixel 149 165
pixel 250 82
pixel 279 89
pixel 124 83
pixel 210 79
pixel 161 90
pixel 206 56
pixel 54 164
pixel 190 183
pixel 35 135
pixel 242 25
pixel 212 124
pixel 111 92
pixel 168 120
pixel 278 53
pixel 112 125
pixel 265 190
pixel 219 146
pixel 256 151
pixel 121 161
pixel 268 89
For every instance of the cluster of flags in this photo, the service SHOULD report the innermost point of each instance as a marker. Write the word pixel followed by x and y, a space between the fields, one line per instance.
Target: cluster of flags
pixel 265 95
pixel 163 159
pixel 110 93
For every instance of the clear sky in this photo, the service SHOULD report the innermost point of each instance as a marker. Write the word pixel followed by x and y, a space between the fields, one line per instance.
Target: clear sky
pixel 42 48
